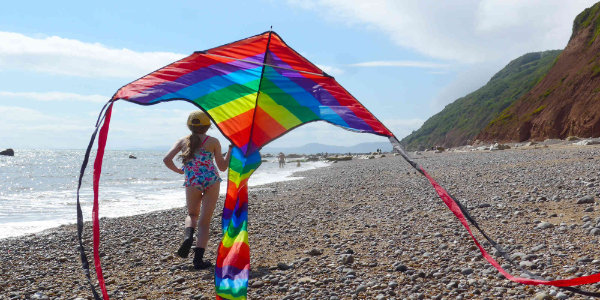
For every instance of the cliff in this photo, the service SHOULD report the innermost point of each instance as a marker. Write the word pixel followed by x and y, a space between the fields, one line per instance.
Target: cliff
pixel 566 102
pixel 460 121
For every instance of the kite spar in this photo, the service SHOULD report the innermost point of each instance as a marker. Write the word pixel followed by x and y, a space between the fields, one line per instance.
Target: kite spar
pixel 256 90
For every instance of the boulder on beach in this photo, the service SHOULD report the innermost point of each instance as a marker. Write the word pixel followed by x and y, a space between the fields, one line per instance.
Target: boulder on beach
pixel 497 146
pixel 8 152
pixel 587 142
pixel 586 200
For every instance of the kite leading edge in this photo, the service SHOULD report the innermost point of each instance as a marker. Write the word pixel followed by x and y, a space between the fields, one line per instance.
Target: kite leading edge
pixel 256 90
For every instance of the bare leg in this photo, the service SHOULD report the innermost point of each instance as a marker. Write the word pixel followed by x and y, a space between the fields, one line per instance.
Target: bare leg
pixel 193 199
pixel 209 202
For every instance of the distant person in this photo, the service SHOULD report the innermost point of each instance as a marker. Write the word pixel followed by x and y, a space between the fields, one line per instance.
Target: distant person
pixel 281 157
pixel 201 182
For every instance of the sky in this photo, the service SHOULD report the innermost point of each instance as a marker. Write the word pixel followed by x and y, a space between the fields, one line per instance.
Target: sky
pixel 60 61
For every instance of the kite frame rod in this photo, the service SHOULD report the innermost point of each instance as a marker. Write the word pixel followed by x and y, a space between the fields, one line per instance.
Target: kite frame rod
pixel 265 64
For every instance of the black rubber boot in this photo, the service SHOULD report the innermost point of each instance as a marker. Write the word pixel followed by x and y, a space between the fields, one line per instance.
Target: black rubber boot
pixel 188 240
pixel 198 262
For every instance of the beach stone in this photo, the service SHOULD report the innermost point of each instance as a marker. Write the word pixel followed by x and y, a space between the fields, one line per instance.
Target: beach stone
pixel 585 260
pixel 571 270
pixel 589 209
pixel 361 288
pixel 466 271
pixel 538 248
pixel 178 279
pixel 8 152
pixel 452 285
pixel 306 280
pixel 526 263
pixel 315 252
pixel 595 231
pixel 39 295
pixel 400 267
pixel 544 225
pixel 586 200
pixel 542 296
pixel 561 295
pixel 257 284
pixel 347 259
pixel 283 266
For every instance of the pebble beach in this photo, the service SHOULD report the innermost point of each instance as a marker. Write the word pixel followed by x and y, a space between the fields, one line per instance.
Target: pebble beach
pixel 358 229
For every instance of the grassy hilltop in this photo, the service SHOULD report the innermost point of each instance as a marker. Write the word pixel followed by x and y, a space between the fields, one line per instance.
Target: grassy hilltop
pixel 460 121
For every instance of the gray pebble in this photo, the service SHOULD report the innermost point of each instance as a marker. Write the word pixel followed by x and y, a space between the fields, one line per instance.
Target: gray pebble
pixel 544 225
pixel 466 271
pixel 561 295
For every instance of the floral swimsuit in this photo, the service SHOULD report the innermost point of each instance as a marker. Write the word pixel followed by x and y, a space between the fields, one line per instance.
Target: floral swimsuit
pixel 200 171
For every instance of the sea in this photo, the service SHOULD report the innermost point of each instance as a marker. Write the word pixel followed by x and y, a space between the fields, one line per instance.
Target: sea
pixel 38 187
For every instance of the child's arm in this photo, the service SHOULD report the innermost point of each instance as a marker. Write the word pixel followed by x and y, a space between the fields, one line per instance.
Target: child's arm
pixel 168 159
pixel 222 163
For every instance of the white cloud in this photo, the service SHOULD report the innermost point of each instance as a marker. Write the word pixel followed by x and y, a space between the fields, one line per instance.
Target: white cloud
pixel 401 63
pixel 55 96
pixel 30 128
pixel 15 116
pixel 465 31
pixel 132 126
pixel 57 55
pixel 137 126
pixel 333 71
pixel 479 36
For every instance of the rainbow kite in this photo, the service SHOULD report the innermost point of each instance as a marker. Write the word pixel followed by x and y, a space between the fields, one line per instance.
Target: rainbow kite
pixel 255 90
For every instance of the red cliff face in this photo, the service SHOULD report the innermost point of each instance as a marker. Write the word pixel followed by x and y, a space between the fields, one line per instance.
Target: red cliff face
pixel 566 102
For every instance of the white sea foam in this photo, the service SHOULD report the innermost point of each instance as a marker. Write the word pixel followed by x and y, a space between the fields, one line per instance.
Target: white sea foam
pixel 38 187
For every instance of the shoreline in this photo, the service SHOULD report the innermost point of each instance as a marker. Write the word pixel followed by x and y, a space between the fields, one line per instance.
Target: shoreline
pixel 173 197
pixel 358 229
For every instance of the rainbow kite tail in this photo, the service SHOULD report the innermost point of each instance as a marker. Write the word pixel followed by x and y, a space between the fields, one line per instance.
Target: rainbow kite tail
pixel 233 256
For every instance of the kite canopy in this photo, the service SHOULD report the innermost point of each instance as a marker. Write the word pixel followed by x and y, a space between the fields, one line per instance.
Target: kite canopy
pixel 255 90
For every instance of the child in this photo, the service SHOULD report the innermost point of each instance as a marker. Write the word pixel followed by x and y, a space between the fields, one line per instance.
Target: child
pixel 201 182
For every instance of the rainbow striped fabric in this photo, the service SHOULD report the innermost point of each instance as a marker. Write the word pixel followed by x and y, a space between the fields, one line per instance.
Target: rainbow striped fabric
pixel 233 258
pixel 254 90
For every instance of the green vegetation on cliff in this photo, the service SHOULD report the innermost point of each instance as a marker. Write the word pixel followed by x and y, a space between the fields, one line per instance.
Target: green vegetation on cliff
pixel 589 17
pixel 460 121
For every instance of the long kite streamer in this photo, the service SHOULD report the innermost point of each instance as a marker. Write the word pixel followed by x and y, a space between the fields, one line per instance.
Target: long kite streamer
pixel 255 90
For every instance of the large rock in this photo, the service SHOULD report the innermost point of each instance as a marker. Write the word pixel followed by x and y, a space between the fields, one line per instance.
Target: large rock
pixel 497 146
pixel 587 142
pixel 8 152
pixel 586 200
